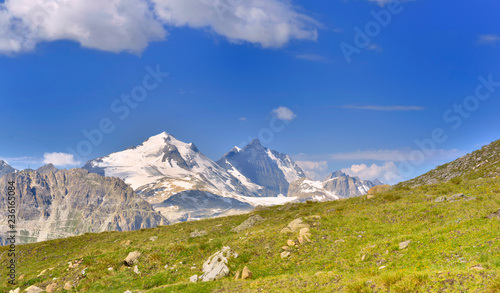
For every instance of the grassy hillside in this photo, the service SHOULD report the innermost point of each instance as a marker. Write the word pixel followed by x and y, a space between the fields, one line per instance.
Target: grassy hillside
pixel 355 248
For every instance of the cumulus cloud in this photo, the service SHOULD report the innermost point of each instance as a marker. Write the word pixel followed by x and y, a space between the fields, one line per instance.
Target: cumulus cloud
pixel 284 113
pixel 384 108
pixel 387 173
pixel 59 159
pixel 130 25
pixel 313 169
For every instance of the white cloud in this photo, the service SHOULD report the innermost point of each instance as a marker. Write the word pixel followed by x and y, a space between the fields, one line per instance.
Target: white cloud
pixel 312 168
pixel 387 173
pixel 130 25
pixel 284 113
pixel 397 155
pixel 311 57
pixel 384 108
pixel 488 39
pixel 59 159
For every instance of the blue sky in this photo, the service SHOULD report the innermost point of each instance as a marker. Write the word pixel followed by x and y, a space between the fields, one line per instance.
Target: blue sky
pixel 242 69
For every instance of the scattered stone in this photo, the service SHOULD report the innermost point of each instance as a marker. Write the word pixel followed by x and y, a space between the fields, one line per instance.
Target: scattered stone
pixel 382 267
pixel 166 266
pixel 17 290
pixel 285 254
pixel 440 199
pixel 198 233
pixel 246 273
pixel 297 224
pixel 68 285
pixel 75 263
pixel 237 275
pixel 290 242
pixel 301 240
pixel 305 232
pixel 193 279
pixel 363 257
pixel 21 277
pixel 404 244
pixel 248 223
pixel 477 268
pixel 110 269
pixel 285 230
pixel 495 215
pixel 51 288
pixel 41 273
pixel 136 270
pixel 131 258
pixel 33 289
pixel 216 265
pixel 285 247
pixel 154 238
pixel 126 242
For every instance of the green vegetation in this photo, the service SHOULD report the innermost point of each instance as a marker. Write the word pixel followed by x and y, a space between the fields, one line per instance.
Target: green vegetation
pixel 448 239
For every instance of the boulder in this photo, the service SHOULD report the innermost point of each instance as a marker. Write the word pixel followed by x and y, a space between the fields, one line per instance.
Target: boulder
pixel 131 258
pixel 285 230
pixel 248 223
pixel 198 233
pixel 51 288
pixel 246 273
pixel 33 289
pixel 379 189
pixel 216 265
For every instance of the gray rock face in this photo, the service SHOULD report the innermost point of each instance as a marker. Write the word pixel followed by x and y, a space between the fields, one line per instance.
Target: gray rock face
pixel 67 203
pixel 6 168
pixel 216 265
pixel 270 169
pixel 336 185
pixel 248 223
pixel 49 168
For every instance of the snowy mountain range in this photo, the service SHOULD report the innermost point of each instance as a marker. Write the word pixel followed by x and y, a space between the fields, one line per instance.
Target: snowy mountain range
pixel 182 183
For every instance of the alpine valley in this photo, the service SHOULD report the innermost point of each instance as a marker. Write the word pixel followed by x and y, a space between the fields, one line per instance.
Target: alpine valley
pixel 161 181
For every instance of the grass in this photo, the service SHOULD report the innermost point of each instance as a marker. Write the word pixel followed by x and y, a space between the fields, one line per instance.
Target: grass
pixel 447 239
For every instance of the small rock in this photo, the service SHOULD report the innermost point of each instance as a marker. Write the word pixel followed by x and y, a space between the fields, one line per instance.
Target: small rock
pixel 297 224
pixel 154 238
pixel 51 288
pixel 33 289
pixel 166 266
pixel 285 254
pixel 285 230
pixel 305 231
pixel 382 267
pixel 457 196
pixel 285 247
pixel 477 268
pixel 131 258
pixel 136 270
pixel 17 290
pixel 246 273
pixel 42 272
pixel 198 233
pixel 126 242
pixel 248 223
pixel 128 291
pixel 237 275
pixel 68 285
pixel 21 277
pixel 363 257
pixel 404 244
pixel 300 239
pixel 290 242
pixel 216 265
pixel 440 199
pixel 193 279
pixel 110 269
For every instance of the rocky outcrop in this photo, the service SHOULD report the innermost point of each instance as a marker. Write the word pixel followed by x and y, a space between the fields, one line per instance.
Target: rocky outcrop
pixel 216 265
pixel 71 202
pixel 6 168
pixel 248 223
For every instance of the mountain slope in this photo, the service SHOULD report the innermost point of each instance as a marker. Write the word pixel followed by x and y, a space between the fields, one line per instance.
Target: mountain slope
pixel 482 163
pixel 269 171
pixel 67 203
pixel 5 168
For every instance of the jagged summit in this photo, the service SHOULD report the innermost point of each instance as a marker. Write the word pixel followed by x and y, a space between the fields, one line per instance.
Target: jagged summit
pixel 335 174
pixel 6 168
pixel 270 171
